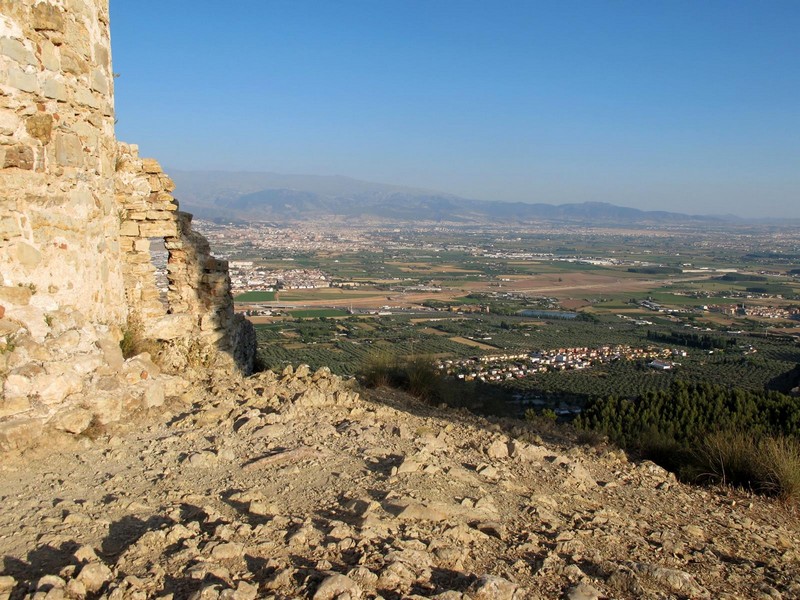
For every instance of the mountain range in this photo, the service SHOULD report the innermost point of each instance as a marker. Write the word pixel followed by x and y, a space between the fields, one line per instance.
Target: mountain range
pixel 251 196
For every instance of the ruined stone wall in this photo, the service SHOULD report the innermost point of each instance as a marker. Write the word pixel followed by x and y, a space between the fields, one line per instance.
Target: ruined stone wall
pixel 78 211
pixel 194 324
pixel 57 161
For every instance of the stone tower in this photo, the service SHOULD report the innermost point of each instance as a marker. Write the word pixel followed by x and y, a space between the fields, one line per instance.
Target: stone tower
pixel 79 213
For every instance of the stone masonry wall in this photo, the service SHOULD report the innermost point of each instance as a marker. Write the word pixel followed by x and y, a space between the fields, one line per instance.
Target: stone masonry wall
pixel 197 320
pixel 57 161
pixel 77 212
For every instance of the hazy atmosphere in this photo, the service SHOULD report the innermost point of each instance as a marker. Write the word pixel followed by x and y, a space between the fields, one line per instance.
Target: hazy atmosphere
pixel 680 106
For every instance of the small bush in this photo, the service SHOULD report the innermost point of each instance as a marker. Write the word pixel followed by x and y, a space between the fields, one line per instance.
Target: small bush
pixel 665 451
pixel 591 437
pixel 133 341
pixel 422 380
pixel 379 370
pixel 770 465
pixel 729 457
pixel 780 458
pixel 416 375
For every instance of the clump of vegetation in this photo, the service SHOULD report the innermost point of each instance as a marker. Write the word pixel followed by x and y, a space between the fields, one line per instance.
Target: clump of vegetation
pixel 709 433
pixel 416 375
pixel 655 270
pixel 769 465
pixel 544 419
pixel 729 457
pixel 8 344
pixel 134 342
pixel 379 370
pixel 780 457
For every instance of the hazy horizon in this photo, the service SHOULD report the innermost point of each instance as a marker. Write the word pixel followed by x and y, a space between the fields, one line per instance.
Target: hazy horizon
pixel 171 169
pixel 675 106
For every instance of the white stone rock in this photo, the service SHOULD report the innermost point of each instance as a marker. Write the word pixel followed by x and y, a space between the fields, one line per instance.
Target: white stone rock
pixel 335 586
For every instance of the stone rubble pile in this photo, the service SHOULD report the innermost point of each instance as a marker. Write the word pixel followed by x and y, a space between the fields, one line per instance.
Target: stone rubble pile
pixel 67 375
pixel 300 485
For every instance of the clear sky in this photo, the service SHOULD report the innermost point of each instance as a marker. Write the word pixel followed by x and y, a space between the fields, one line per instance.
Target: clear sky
pixel 689 106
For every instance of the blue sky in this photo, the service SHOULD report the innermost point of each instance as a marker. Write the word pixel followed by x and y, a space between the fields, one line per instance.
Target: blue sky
pixel 689 106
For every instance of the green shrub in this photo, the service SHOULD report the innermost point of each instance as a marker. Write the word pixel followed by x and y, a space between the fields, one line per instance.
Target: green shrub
pixel 415 375
pixel 590 437
pixel 379 370
pixel 729 457
pixel 664 450
pixel 133 341
pixel 780 458
pixel 770 465
pixel 421 379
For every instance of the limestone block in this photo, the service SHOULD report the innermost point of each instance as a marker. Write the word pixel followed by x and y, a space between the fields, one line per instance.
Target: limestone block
pixel 170 327
pixel 64 343
pixel 19 156
pixel 9 122
pixel 16 50
pixel 112 353
pixel 18 384
pixel 155 183
pixel 41 221
pixel 40 127
pixel 55 90
pixel 69 150
pixel 129 228
pixel 140 367
pixel 32 318
pixel 153 394
pixel 101 56
pixel 164 198
pixel 169 186
pixel 53 389
pixel 75 420
pixel 158 215
pixel 47 17
pixel 100 82
pixel 151 166
pixel 50 56
pixel 214 337
pixel 15 294
pixel 72 63
pixel 142 245
pixel 28 256
pixel 19 433
pixel 158 229
pixel 85 364
pixel 62 321
pixel 13 405
pixel 139 261
pixel 84 97
pixel 22 80
pixel 106 407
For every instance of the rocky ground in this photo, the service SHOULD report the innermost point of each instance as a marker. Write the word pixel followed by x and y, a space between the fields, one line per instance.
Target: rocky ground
pixel 296 486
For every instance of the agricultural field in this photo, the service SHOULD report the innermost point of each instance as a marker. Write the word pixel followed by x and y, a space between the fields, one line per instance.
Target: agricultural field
pixel 256 297
pixel 452 293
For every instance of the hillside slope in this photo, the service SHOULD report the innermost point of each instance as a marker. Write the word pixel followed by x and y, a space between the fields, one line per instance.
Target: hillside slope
pixel 296 486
